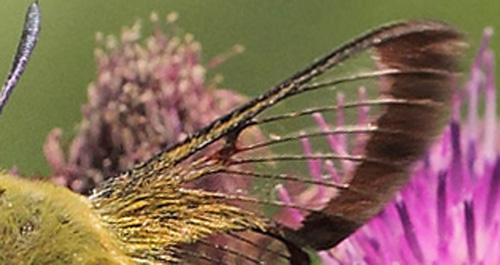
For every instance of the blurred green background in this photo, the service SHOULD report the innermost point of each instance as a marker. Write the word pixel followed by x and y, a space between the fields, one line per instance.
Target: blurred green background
pixel 280 37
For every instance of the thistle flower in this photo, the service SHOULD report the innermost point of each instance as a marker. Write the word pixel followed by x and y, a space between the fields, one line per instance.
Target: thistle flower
pixel 448 214
pixel 145 96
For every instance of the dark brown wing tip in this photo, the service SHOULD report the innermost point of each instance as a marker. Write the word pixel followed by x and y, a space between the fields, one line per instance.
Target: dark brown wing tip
pixel 432 49
pixel 436 48
pixel 422 44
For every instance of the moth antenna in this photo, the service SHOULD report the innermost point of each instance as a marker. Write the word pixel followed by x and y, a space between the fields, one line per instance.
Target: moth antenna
pixel 27 43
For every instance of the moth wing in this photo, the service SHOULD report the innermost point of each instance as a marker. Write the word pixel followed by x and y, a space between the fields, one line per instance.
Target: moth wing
pixel 265 181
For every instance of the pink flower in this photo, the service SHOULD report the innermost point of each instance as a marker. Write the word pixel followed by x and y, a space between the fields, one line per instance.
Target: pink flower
pixel 448 214
pixel 146 95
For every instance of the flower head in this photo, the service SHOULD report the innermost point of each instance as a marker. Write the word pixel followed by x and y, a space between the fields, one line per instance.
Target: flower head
pixel 448 214
pixel 146 96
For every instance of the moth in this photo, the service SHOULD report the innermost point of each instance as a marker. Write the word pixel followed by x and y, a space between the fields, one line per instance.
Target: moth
pixel 159 211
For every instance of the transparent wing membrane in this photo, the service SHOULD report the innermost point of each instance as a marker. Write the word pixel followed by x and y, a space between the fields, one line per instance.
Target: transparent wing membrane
pixel 300 167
